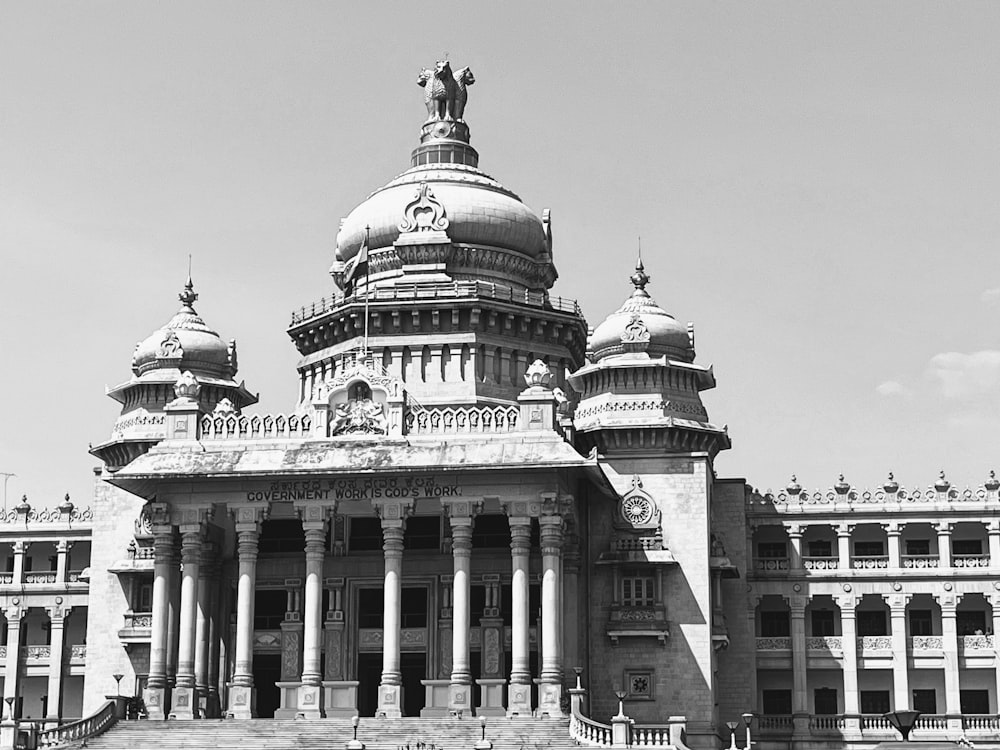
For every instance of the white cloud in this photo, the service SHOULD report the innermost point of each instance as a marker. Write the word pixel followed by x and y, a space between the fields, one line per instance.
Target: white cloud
pixel 893 388
pixel 991 296
pixel 965 377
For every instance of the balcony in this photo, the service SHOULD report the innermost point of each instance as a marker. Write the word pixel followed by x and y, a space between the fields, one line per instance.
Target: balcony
pixel 970 561
pixel 982 727
pixel 40 577
pixel 926 643
pixel 976 643
pixel 771 643
pixel 920 562
pixel 41 654
pixel 874 562
pixel 825 643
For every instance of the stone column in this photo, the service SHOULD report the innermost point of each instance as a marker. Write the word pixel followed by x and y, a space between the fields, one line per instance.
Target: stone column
pixel 944 544
pixel 185 699
pixel 207 585
pixel 519 690
pixel 460 690
pixel 12 664
pixel 993 535
pixel 242 697
pixel 844 545
pixel 19 549
pixel 63 546
pixel 310 691
pixel 218 613
pixel 156 693
pixel 949 638
pixel 900 669
pixel 849 645
pixel 892 534
pixel 795 552
pixel 57 621
pixel 173 613
pixel 800 696
pixel 571 603
pixel 550 688
pixel 390 690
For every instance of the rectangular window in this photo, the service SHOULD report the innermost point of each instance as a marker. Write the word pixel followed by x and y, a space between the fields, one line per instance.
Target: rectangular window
pixel 874 701
pixel 822 622
pixel 269 608
pixel 772 550
pixel 422 532
pixel 966 546
pixel 774 624
pixel 825 701
pixel 637 590
pixel 925 701
pixel 868 549
pixel 413 608
pixel 776 702
pixel 365 535
pixel 145 603
pixel 370 606
pixel 975 701
pixel 918 546
pixel 871 623
pixel 821 548
pixel 921 622
pixel 477 601
pixel 490 531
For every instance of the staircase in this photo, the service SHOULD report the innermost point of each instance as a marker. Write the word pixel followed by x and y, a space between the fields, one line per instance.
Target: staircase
pixel 332 734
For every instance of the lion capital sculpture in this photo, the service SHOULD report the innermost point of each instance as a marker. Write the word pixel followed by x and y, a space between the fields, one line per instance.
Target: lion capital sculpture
pixel 445 91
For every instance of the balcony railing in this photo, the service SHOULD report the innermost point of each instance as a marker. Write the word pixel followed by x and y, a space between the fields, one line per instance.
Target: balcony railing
pixel 826 722
pixel 775 723
pixel 872 562
pixel 926 643
pixel 825 643
pixel 771 643
pixel 771 564
pixel 921 561
pixel 976 642
pixel 40 577
pixel 983 722
pixel 875 643
pixel 821 563
pixel 877 726
pixel 970 561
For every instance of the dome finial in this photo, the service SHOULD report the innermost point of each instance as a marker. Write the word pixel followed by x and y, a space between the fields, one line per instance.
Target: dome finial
pixel 188 296
pixel 640 278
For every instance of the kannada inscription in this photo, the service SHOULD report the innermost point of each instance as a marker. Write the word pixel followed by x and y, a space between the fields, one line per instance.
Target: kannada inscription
pixel 369 488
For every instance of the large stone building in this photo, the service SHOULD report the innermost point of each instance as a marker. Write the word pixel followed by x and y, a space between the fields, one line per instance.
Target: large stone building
pixel 475 500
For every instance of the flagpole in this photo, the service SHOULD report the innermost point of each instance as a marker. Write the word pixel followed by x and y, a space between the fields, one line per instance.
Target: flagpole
pixel 364 341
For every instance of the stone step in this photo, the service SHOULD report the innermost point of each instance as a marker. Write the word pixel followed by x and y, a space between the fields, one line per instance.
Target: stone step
pixel 331 734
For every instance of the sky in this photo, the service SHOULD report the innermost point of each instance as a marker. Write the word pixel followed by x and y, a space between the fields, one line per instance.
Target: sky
pixel 815 186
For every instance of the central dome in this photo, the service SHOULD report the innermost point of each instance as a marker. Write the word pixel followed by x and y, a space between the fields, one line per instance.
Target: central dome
pixel 444 215
pixel 479 209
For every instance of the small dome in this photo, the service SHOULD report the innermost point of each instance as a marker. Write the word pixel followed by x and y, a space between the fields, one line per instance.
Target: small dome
pixel 479 209
pixel 186 343
pixel 641 328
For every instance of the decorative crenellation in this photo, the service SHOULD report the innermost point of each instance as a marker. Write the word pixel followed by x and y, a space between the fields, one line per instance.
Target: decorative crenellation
pixel 463 420
pixel 65 512
pixel 890 496
pixel 243 427
pixel 658 405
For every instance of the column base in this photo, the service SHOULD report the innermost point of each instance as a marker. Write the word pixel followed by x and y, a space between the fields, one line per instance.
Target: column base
pixel 492 698
pixel 242 702
pixel 460 699
pixel 436 698
pixel 550 700
pixel 390 701
pixel 800 727
pixel 310 701
pixel 184 705
pixel 340 698
pixel 518 699
pixel 156 701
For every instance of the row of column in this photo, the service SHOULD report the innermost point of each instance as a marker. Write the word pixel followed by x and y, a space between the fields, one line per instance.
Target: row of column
pixel 185 638
pixel 900 671
pixel 13 673
pixel 185 622
pixel 893 532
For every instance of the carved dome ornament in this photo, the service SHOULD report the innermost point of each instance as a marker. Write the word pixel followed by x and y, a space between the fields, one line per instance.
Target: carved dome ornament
pixel 424 213
pixel 170 347
pixel 187 387
pixel 538 375
pixel 635 331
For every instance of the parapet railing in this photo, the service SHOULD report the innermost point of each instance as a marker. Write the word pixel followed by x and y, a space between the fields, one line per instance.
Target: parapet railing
pixel 625 732
pixel 91 726
pixel 232 426
pixel 889 497
pixel 471 420
pixel 439 290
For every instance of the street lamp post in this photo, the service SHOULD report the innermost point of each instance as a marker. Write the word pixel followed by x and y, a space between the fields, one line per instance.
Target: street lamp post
pixel 118 684
pixel 732 726
pixel 747 719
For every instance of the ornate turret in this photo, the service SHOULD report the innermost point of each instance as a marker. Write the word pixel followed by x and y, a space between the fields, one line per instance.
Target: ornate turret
pixel 182 360
pixel 641 387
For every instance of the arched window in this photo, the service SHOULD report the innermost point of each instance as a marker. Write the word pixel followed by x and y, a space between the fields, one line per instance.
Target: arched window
pixel 359 392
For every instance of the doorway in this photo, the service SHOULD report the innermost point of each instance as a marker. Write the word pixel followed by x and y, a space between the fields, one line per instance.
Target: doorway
pixel 266 674
pixel 369 676
pixel 414 669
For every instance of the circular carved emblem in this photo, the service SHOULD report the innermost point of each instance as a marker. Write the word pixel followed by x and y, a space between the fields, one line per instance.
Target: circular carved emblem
pixel 637 510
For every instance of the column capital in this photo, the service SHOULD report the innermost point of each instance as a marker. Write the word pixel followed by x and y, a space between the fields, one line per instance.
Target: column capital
pixel 20 546
pixel 315 512
pixel 897 603
pixel 993 526
pixel 64 545
pixel 943 528
pixel 892 528
pixel 14 613
pixel 393 511
pixel 948 603
pixel 794 530
pixel 189 517
pixel 248 515
pixel 461 511
pixel 844 529
pixel 58 613
pixel 797 606
pixel 847 604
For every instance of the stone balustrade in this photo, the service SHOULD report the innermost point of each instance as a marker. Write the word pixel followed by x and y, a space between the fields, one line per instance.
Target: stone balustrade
pixel 255 426
pixel 463 420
